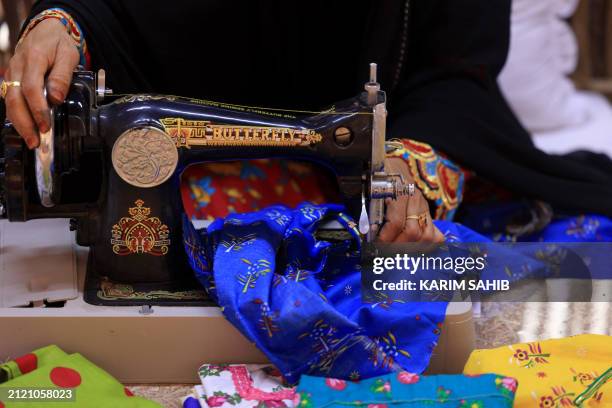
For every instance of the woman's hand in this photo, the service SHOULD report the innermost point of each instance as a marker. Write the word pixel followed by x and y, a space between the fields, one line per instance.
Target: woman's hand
pixel 401 224
pixel 46 49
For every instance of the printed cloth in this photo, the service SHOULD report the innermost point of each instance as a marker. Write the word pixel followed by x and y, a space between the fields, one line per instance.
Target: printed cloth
pixel 51 368
pixel 404 389
pixel 297 296
pixel 581 228
pixel 212 190
pixel 217 189
pixel 553 373
pixel 240 386
pixel 491 220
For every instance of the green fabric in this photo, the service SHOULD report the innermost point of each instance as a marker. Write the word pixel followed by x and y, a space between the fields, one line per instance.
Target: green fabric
pixel 44 356
pixel 93 386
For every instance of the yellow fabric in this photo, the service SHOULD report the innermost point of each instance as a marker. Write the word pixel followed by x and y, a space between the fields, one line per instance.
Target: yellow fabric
pixel 551 373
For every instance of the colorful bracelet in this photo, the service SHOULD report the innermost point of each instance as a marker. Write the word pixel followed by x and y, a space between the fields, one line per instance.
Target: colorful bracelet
pixel 72 28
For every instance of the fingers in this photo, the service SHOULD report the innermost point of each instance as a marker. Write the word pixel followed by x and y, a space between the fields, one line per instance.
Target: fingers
pixel 399 228
pixel 400 223
pixel 395 220
pixel 17 109
pixel 32 86
pixel 411 233
pixel 47 49
pixel 19 115
pixel 438 236
pixel 58 81
pixel 389 232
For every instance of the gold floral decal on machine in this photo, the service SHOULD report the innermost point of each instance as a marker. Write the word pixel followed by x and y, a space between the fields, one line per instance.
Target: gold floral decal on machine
pixel 122 291
pixel 187 133
pixel 139 233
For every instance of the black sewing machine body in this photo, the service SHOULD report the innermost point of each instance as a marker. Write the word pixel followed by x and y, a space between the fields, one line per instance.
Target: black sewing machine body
pixel 115 169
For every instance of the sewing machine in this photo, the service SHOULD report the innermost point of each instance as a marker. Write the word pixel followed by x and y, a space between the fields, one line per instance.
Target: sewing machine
pixel 112 165
pixel 113 170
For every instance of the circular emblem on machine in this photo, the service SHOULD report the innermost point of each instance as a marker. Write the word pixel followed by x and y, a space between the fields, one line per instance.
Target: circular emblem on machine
pixel 144 156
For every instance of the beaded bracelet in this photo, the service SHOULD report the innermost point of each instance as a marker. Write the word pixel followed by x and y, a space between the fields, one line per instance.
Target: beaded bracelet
pixel 72 27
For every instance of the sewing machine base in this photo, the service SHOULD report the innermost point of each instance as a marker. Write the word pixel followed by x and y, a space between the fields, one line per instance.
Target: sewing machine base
pixel 126 342
pixel 99 290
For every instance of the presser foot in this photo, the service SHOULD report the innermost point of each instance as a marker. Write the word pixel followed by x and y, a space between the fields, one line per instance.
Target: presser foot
pixel 101 291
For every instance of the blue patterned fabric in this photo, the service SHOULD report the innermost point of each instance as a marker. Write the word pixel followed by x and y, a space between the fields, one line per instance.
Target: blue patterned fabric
pixel 298 299
pixel 297 296
pixel 407 390
pixel 588 236
pixel 581 228
pixel 491 219
pixel 576 247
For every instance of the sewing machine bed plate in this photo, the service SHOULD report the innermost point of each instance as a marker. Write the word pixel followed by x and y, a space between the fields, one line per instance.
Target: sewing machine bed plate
pixel 37 261
pixel 166 346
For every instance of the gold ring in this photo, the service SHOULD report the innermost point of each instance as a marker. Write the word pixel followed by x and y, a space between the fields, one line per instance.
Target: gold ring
pixel 5 86
pixel 421 218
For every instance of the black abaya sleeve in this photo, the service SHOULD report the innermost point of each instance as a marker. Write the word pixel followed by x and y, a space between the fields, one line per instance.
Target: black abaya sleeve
pixel 448 97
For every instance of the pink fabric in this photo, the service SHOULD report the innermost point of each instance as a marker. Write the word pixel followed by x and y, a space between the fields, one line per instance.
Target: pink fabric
pixel 244 386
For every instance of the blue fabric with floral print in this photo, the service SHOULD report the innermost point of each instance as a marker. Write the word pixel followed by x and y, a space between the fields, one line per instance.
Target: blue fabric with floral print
pixel 404 389
pixel 296 294
pixel 297 297
pixel 588 236
pixel 581 228
pixel 491 219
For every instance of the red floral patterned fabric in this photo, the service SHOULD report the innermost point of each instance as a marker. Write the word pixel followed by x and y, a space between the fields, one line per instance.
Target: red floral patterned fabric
pixel 213 190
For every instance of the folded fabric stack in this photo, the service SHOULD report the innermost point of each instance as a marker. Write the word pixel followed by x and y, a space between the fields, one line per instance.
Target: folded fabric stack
pixel 408 390
pixel 254 386
pixel 240 386
pixel 51 368
pixel 568 372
